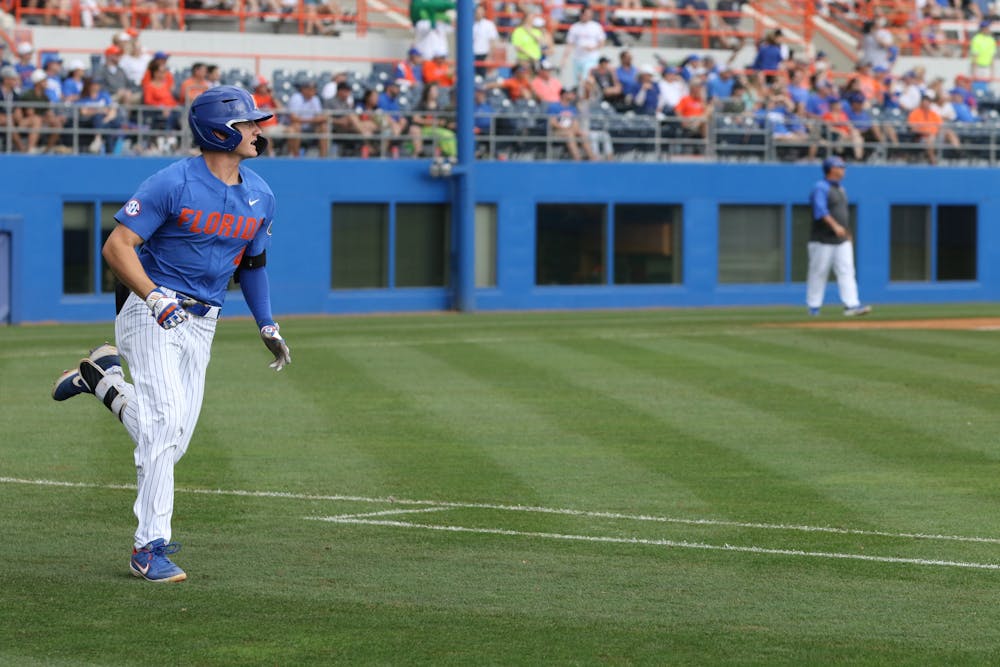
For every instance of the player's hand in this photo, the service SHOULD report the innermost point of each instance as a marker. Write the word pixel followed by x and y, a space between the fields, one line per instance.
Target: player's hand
pixel 167 310
pixel 276 345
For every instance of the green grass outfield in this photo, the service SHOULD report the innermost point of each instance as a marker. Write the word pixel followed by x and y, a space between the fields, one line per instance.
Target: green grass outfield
pixel 653 487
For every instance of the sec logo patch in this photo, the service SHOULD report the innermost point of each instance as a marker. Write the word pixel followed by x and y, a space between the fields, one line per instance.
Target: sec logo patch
pixel 132 208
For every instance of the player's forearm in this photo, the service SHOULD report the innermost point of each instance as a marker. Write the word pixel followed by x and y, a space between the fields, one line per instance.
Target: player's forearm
pixel 124 262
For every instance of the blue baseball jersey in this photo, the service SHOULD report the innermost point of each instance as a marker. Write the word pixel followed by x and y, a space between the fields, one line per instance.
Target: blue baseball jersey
pixel 196 229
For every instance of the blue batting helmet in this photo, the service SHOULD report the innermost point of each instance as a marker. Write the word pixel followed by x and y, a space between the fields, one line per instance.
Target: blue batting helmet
pixel 832 162
pixel 216 110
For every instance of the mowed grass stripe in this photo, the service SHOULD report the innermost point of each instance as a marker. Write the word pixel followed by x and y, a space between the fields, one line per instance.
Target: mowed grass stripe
pixel 881 451
pixel 491 411
pixel 680 430
pixel 807 475
pixel 890 402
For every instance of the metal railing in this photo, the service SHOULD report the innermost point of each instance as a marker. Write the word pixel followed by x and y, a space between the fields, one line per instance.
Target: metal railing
pixel 523 134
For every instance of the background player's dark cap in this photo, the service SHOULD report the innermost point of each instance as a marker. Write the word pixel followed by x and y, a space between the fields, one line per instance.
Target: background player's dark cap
pixel 832 162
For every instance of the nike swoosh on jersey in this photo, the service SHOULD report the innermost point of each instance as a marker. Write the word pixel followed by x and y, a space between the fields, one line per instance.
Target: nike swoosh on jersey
pixel 254 201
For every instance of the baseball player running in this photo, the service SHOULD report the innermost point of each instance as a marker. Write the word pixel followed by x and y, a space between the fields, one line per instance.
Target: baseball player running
pixel 830 242
pixel 178 241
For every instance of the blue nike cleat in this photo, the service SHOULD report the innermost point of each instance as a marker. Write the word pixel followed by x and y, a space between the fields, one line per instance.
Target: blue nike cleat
pixel 814 312
pixel 151 562
pixel 70 383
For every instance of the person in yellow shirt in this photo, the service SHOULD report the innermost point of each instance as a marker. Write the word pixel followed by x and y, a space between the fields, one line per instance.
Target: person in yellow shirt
pixel 531 41
pixel 982 50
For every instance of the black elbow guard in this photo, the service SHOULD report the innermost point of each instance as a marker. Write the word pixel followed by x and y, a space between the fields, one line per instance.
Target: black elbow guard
pixel 255 262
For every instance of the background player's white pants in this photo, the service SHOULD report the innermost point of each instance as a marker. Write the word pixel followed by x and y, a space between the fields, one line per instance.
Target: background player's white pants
pixel 839 257
pixel 168 384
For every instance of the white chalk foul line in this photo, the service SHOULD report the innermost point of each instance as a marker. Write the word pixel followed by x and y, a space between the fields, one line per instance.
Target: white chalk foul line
pixel 391 500
pixel 662 543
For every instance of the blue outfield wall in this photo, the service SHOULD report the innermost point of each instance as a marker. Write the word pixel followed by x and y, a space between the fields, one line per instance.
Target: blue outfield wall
pixel 36 187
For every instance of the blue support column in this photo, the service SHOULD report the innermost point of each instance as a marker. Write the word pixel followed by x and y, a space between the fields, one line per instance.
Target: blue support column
pixel 464 197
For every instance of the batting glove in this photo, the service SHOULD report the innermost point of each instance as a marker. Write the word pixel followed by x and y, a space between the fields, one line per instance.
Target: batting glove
pixel 276 344
pixel 167 310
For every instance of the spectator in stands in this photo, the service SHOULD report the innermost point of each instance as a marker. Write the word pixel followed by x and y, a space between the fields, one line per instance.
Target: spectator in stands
pixel 545 85
pixel 36 115
pixel 214 76
pixel 927 125
pixel 484 37
pixel 307 119
pixel 430 123
pixel 157 91
pixel 263 97
pixel 373 122
pixel 692 16
pixel 195 84
pixel 344 118
pixel 866 81
pixel 518 85
pixel 602 83
pixel 912 90
pixel 694 110
pixel 72 85
pixel 134 60
pixel 778 116
pixel 52 66
pixel 768 61
pixel 113 79
pixel 396 124
pixel 159 57
pixel 877 44
pixel 838 130
pixel 982 52
pixel 584 42
pixel 97 111
pixel 672 88
pixel 438 70
pixel 482 113
pixel 25 64
pixel 10 82
pixel 648 100
pixel 856 110
pixel 961 112
pixel 531 41
pixel 411 70
pixel 564 123
pixel 798 88
pixel 720 85
pixel 964 84
pixel 628 77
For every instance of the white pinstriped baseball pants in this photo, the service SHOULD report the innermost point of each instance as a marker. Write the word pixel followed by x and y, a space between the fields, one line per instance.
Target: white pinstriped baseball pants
pixel 823 257
pixel 164 400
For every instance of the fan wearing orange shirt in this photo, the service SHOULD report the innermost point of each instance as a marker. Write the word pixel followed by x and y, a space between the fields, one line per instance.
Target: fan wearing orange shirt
pixel 437 70
pixel 927 124
pixel 157 91
pixel 263 97
pixel 839 129
pixel 196 84
pixel 694 110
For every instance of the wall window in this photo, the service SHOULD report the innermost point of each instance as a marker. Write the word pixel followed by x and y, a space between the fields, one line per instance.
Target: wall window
pixel 956 242
pixel 384 246
pixel 569 244
pixel 78 248
pixel 486 245
pixel 933 243
pixel 751 244
pixel 647 244
pixel 422 245
pixel 360 253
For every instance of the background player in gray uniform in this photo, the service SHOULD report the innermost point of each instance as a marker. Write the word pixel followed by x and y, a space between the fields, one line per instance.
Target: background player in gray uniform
pixel 179 240
pixel 830 242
